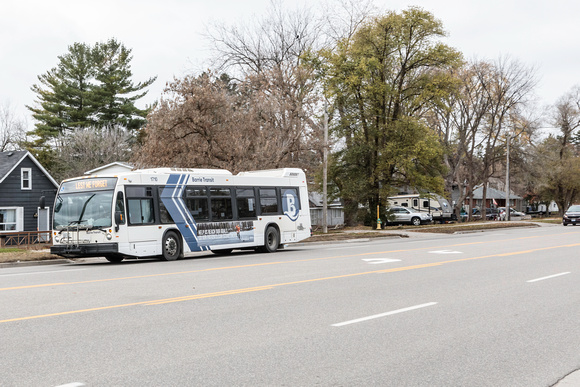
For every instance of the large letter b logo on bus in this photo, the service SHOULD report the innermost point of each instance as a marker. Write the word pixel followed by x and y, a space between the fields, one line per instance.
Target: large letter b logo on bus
pixel 290 204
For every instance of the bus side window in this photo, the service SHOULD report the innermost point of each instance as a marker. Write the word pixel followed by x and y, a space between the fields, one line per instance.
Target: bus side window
pixel 197 203
pixel 268 201
pixel 140 211
pixel 120 208
pixel 221 204
pixel 134 211
pixel 246 201
pixel 164 214
pixel 147 210
pixel 426 204
pixel 140 205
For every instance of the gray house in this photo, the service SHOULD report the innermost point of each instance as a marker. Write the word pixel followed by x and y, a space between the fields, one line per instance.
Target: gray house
pixel 495 198
pixel 335 210
pixel 22 182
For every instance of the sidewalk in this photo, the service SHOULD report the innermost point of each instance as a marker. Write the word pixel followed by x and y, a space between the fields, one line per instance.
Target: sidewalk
pixel 571 380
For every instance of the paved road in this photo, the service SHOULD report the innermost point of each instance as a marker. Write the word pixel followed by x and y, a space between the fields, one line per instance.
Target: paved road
pixel 498 308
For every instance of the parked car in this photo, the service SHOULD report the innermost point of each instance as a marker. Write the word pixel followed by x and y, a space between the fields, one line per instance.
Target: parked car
pixel 572 215
pixel 490 214
pixel 475 215
pixel 408 215
pixel 513 213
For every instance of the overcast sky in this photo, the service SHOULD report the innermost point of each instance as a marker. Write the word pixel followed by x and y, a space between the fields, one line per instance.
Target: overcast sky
pixel 166 36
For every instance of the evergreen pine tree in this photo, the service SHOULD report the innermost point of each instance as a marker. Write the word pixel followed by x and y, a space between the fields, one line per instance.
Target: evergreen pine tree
pixel 115 94
pixel 90 87
pixel 64 94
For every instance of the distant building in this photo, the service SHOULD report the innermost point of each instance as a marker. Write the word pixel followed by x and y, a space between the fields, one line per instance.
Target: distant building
pixel 335 212
pixel 494 198
pixel 112 168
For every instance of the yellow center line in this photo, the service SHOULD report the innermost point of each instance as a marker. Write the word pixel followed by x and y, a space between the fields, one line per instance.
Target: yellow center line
pixel 208 295
pixel 261 264
pixel 154 302
pixel 268 287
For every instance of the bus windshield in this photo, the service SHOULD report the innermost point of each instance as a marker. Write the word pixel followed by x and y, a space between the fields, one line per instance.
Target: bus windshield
pixel 83 210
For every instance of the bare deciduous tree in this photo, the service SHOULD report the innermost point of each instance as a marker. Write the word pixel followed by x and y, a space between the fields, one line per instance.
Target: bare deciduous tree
pixel 566 117
pixel 559 177
pixel 86 149
pixel 263 117
pixel 276 40
pixel 342 18
pixel 458 121
pixel 487 107
pixel 213 123
pixel 12 129
pixel 509 87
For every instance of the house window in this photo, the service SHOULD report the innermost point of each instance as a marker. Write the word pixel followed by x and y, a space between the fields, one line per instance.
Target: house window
pixel 25 178
pixel 11 219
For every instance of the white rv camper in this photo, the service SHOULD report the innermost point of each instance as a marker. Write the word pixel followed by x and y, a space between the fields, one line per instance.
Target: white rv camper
pixel 436 205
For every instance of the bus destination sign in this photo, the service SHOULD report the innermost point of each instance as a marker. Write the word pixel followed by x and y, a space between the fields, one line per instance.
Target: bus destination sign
pixel 92 184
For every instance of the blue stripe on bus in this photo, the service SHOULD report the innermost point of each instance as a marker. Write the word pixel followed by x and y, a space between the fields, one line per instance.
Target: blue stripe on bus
pixel 172 198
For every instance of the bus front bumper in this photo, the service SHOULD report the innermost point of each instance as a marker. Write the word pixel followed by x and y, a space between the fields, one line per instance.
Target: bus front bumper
pixel 85 250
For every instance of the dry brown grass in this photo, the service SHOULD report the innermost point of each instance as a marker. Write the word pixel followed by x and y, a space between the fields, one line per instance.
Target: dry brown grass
pixel 21 255
pixel 472 226
pixel 341 236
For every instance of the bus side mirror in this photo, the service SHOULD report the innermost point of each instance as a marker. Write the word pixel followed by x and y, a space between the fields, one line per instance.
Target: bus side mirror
pixel 118 219
pixel 42 202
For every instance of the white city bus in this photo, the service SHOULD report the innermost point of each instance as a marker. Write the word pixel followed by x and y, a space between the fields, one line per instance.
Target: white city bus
pixel 169 212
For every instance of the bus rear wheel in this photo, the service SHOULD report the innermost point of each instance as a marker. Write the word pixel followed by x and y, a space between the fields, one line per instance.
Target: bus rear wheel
pixel 271 240
pixel 171 246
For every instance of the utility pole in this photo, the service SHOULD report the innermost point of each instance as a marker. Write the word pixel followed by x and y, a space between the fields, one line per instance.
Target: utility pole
pixel 325 173
pixel 507 180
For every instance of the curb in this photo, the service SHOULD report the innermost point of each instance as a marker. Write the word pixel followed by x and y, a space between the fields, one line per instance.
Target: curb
pixel 305 243
pixel 36 263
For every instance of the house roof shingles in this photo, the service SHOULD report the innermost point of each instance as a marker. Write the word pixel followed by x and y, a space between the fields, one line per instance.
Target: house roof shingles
pixel 492 193
pixel 8 160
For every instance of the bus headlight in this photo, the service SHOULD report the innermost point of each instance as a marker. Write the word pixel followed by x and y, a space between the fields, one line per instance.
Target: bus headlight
pixel 109 236
pixel 56 239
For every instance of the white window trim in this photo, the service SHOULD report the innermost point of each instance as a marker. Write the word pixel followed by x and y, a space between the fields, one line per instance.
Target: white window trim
pixel 19 219
pixel 22 170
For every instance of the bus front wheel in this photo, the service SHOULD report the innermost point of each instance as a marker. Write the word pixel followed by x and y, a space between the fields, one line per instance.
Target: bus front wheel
pixel 171 246
pixel 114 258
pixel 272 240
